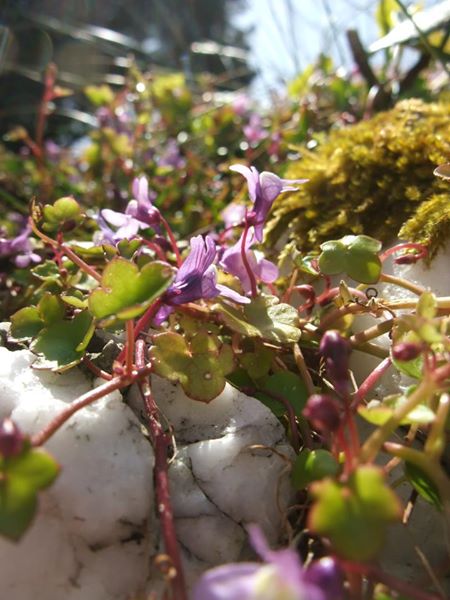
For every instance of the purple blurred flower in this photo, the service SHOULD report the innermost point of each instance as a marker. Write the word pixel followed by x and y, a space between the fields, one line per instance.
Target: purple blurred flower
pixel 141 207
pixel 21 248
pixel 126 226
pixel 196 279
pixel 171 157
pixel 280 577
pixel 232 262
pixel 139 214
pixel 254 131
pixel 263 189
pixel 233 214
pixel 241 104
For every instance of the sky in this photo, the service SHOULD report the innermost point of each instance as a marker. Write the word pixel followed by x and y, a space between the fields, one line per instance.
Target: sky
pixel 288 35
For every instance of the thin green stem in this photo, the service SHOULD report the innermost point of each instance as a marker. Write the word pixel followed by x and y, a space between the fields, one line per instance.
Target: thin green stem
pixel 400 282
pixel 374 443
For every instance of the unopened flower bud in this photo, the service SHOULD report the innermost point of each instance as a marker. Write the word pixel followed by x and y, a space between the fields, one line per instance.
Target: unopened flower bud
pixel 11 438
pixel 327 575
pixel 406 351
pixel 323 412
pixel 336 351
pixel 407 259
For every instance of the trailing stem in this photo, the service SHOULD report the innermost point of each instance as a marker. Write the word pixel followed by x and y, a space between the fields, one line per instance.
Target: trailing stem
pixel 161 443
pixel 110 386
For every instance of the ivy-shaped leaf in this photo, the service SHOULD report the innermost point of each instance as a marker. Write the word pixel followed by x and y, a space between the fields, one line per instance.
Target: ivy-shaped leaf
pixel 354 515
pixel 61 340
pixel 263 317
pixel 355 255
pixel 378 413
pixel 286 385
pixel 126 292
pixel 257 363
pixel 64 341
pixel 199 366
pixel 313 465
pixel 21 479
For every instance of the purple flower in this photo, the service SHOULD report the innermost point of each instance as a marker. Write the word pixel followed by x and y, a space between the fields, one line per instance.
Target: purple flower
pixel 263 189
pixel 126 226
pixel 139 214
pixel 232 262
pixel 280 576
pixel 241 104
pixel 233 214
pixel 254 131
pixel 141 207
pixel 196 279
pixel 171 156
pixel 21 248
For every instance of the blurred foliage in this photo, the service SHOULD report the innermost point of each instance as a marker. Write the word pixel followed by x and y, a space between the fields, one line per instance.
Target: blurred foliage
pixel 374 178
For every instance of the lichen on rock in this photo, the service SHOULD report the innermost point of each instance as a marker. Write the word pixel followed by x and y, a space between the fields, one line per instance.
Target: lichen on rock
pixel 373 178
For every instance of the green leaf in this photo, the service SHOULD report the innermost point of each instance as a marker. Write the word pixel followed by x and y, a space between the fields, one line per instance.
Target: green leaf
pixel 126 292
pixel 355 255
pixel 64 341
pixel 257 363
pixel 354 515
pixel 35 466
pixel 21 478
pixel 385 15
pixel 199 366
pixel 378 413
pixel 17 508
pixel 47 271
pixel 99 95
pixel 427 305
pixel 26 323
pixel 50 308
pixel 264 317
pixel 313 465
pixel 288 386
pixel 64 214
pixel 423 484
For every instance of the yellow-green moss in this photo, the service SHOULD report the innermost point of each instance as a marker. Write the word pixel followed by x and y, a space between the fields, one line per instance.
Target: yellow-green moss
pixel 375 178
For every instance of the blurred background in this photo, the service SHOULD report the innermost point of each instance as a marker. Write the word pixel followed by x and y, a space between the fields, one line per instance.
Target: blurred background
pixel 256 44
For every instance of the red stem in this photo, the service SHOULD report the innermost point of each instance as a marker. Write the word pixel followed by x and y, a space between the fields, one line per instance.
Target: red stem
pixel 250 273
pixel 173 241
pixel 370 381
pixel 88 398
pixel 95 370
pixel 375 574
pixel 156 249
pixel 49 84
pixel 142 324
pixel 129 348
pixel 161 443
pixel 422 250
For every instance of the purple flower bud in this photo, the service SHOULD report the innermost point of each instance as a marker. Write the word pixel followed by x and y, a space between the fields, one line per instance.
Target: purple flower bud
pixel 11 438
pixel 327 575
pixel 406 351
pixel 324 412
pixel 336 351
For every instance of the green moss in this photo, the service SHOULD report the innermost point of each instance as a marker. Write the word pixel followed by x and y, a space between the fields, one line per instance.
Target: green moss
pixel 374 178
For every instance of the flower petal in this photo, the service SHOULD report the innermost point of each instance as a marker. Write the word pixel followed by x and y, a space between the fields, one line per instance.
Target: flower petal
pixel 251 175
pixel 228 582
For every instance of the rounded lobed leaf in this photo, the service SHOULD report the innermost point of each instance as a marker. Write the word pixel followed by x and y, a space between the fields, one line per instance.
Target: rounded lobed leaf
pixel 126 292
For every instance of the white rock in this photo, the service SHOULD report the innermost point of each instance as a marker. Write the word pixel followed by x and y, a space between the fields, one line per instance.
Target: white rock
pixel 95 535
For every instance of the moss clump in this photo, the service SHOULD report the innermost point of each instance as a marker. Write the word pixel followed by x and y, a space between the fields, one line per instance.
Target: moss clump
pixel 374 178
